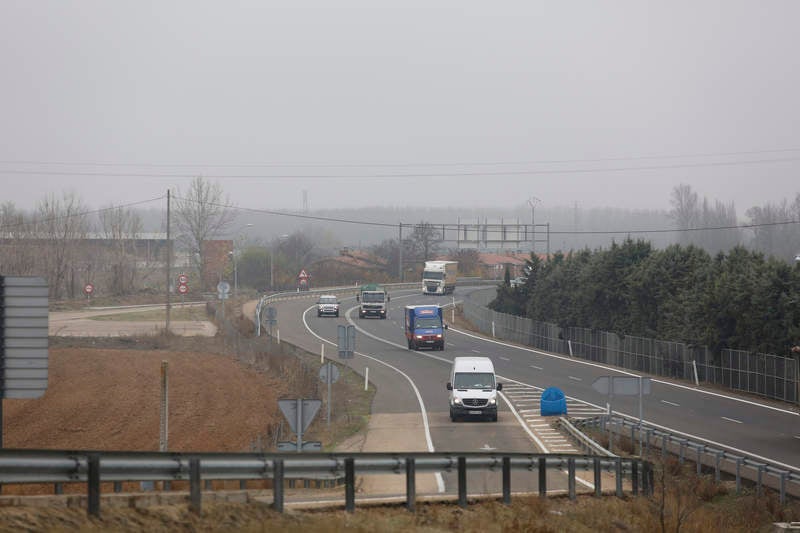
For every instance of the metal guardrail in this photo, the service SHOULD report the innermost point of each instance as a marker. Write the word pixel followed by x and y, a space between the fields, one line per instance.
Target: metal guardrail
pixel 782 478
pixel 93 468
pixel 583 440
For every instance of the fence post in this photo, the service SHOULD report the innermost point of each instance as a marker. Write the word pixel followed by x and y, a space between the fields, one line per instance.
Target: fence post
pixel 195 496
pixel 411 489
pixel 571 477
pixel 93 483
pixel 462 481
pixel 350 485
pixel 277 485
pixel 507 480
pixel 598 479
pixel 542 477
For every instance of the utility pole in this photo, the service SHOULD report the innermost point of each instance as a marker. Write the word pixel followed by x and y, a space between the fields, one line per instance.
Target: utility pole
pixel 169 263
pixel 532 201
pixel 400 260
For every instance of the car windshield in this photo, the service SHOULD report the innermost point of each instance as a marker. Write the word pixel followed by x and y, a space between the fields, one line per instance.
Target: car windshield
pixel 427 323
pixel 372 297
pixel 327 299
pixel 474 380
pixel 432 275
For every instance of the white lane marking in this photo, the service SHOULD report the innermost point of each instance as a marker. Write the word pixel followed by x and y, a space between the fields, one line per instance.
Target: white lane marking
pixel 574 378
pixel 619 371
pixel 670 403
pixel 505 358
pixel 732 420
pixel 475 351
pixel 536 367
pixel 426 425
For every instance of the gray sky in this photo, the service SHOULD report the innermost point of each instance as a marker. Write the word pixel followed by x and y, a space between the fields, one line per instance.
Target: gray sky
pixel 435 89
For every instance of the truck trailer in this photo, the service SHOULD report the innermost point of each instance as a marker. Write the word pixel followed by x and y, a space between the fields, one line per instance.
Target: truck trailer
pixel 424 327
pixel 439 277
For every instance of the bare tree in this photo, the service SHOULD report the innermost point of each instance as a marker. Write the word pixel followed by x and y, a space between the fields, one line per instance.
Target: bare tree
pixel 62 227
pixel 17 256
pixel 685 210
pixel 201 214
pixel 469 261
pixel 425 241
pixel 120 227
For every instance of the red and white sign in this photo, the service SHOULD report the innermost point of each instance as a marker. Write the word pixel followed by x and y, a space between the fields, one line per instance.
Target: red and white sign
pixel 302 274
pixel 88 288
pixel 183 279
pixel 183 288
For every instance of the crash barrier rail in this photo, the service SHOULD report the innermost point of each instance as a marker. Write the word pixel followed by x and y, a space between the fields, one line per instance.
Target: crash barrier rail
pixel 582 439
pixel 766 375
pixel 347 290
pixel 95 467
pixel 781 478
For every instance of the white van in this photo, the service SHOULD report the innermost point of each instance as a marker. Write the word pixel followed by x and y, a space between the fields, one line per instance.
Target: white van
pixel 473 389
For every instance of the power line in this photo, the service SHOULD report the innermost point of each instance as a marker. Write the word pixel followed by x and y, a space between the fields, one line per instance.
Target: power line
pixel 295 164
pixel 390 175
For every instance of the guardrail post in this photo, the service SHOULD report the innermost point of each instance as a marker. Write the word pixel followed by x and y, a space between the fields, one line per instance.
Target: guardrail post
pixel 680 453
pixel 542 477
pixel 716 466
pixel 760 475
pixel 58 488
pixel 462 481
pixel 93 482
pixel 635 478
pixel 645 478
pixel 783 488
pixel 118 486
pixel 663 447
pixel 277 485
pixel 571 477
pixel 411 485
pixel 619 477
pixel 738 475
pixel 167 485
pixel 699 457
pixel 350 485
pixel 598 479
pixel 507 480
pixel 195 496
pixel 208 485
pixel 647 433
pixel 242 484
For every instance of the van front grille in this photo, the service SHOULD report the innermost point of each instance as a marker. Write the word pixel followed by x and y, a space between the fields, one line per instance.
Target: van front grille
pixel 475 402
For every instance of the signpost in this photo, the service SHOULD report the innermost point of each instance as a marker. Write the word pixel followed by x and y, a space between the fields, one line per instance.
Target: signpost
pixel 223 288
pixel 329 373
pixel 347 341
pixel 623 386
pixel 183 287
pixel 23 340
pixel 271 319
pixel 88 289
pixel 299 413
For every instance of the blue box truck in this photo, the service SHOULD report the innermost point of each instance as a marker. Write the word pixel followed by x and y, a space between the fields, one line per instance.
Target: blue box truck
pixel 424 327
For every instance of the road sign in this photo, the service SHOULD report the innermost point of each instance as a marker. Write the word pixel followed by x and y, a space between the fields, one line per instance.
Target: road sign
pixel 303 274
pixel 23 338
pixel 183 289
pixel 312 446
pixel 88 288
pixel 223 287
pixel 347 341
pixel 308 410
pixel 623 385
pixel 334 372
pixel 183 279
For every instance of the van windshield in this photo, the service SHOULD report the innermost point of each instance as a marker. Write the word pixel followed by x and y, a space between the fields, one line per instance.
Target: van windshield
pixel 428 323
pixel 474 380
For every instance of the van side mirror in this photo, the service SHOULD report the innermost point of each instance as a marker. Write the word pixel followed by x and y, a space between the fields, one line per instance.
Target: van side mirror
pixel 357 298
pixel 499 386
pixel 445 326
pixel 449 386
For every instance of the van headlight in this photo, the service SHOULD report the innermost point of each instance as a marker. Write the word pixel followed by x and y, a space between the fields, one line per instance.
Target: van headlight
pixel 492 401
pixel 419 336
pixel 438 335
pixel 457 401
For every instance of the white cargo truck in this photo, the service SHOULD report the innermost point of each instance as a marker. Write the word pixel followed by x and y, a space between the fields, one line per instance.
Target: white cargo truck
pixel 439 277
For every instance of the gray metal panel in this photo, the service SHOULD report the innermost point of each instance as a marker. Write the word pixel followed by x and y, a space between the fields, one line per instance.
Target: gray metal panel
pixel 26 394
pixel 17 342
pixel 25 301
pixel 35 292
pixel 21 312
pixel 25 362
pixel 25 354
pixel 25 374
pixel 24 322
pixel 25 332
pixel 23 281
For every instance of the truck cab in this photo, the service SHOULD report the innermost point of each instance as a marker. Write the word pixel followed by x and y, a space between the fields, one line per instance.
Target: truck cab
pixel 473 389
pixel 424 327
pixel 372 301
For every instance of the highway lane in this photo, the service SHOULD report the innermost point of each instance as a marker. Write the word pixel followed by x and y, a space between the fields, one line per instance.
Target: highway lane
pixel 427 399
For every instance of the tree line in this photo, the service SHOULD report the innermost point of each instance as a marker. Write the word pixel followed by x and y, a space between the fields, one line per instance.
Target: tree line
pixel 739 300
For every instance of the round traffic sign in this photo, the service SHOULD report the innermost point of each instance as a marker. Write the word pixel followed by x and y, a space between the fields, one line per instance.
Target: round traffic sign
pixel 183 279
pixel 223 287
pixel 183 289
pixel 88 288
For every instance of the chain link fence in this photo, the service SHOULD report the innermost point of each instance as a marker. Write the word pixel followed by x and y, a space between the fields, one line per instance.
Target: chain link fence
pixel 767 375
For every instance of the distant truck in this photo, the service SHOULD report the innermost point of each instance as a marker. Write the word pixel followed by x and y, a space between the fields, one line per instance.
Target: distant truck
pixel 424 327
pixel 373 300
pixel 439 277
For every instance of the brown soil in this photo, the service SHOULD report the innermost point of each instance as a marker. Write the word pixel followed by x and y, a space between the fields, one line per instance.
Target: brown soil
pixel 108 398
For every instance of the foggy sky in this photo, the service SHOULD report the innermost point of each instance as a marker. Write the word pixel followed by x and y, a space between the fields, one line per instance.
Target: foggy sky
pixel 361 91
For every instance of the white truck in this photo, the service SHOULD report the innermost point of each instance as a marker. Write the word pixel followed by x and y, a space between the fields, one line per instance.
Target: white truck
pixel 439 277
